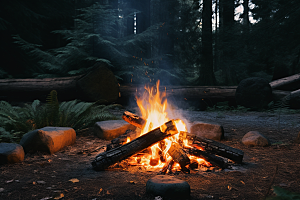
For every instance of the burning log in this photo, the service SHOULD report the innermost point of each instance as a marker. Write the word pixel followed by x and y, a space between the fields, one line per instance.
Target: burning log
pixel 105 159
pixel 133 119
pixel 178 155
pixel 214 160
pixel 213 147
pixel 167 167
pixel 122 139
pixel 209 146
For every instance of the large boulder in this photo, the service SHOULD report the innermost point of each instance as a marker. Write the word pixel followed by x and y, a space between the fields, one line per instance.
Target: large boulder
pixel 168 187
pixel 11 153
pixel 254 138
pixel 111 129
pixel 48 139
pixel 254 93
pixel 211 131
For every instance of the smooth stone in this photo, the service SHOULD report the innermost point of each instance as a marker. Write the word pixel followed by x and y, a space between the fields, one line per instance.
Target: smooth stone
pixel 168 187
pixel 11 153
pixel 112 129
pixel 254 138
pixel 211 131
pixel 48 139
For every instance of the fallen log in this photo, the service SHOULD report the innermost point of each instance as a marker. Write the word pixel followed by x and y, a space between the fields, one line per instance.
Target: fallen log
pixel 213 147
pixel 289 83
pixel 184 96
pixel 100 84
pixel 105 159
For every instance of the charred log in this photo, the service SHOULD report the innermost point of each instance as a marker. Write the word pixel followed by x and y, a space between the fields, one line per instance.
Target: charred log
pixel 178 155
pixel 213 147
pixel 133 119
pixel 105 159
pixel 214 160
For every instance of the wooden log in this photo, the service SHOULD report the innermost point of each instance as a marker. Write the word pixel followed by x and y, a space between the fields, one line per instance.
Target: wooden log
pixel 183 91
pixel 213 147
pixel 289 83
pixel 100 84
pixel 178 154
pixel 122 139
pixel 278 95
pixel 214 160
pixel 105 159
pixel 133 119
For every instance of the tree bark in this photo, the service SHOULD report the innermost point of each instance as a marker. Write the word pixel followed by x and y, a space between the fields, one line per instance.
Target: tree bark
pixel 98 85
pixel 105 159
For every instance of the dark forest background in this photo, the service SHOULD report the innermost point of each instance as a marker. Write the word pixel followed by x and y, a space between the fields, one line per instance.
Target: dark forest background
pixel 142 41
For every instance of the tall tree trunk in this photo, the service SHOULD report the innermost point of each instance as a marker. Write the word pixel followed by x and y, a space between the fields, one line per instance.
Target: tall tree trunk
pixel 207 76
pixel 226 39
pixel 216 55
pixel 246 13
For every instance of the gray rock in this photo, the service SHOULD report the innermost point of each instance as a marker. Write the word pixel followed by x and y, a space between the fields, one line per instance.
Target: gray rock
pixel 168 187
pixel 48 139
pixel 254 138
pixel 211 131
pixel 254 93
pixel 11 153
pixel 111 129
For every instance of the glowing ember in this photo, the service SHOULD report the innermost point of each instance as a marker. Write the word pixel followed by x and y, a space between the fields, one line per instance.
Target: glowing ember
pixel 153 106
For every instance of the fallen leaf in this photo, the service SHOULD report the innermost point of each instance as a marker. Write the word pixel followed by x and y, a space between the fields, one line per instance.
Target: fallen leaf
pixel 243 182
pixel 74 180
pixel 229 187
pixel 131 182
pixel 59 196
pixel 46 198
pixel 41 182
pixel 10 181
pixel 1 189
pixel 49 160
pixel 33 183
pixel 107 192
pixel 100 190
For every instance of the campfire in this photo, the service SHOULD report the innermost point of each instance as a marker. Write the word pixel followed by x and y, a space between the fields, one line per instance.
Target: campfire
pixel 163 143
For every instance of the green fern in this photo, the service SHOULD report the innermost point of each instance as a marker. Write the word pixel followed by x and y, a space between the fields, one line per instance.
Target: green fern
pixel 16 121
pixel 52 108
pixel 282 194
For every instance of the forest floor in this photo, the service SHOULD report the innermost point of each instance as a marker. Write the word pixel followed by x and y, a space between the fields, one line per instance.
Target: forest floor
pixel 68 174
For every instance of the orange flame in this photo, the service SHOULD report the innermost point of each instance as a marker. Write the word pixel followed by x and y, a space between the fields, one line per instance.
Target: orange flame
pixel 153 106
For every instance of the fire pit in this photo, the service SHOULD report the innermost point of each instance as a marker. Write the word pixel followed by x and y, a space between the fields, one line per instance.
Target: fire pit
pixel 162 143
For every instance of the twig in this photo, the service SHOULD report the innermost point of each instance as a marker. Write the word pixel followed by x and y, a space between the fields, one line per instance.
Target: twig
pixel 271 182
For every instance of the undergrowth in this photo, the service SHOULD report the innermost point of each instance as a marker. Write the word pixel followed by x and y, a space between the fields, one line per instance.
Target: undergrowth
pixel 16 121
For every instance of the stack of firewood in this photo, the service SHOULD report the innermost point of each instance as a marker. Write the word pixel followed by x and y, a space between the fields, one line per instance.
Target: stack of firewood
pixel 217 154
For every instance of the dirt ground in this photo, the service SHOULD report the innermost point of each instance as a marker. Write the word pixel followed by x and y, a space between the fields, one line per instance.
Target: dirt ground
pixel 68 174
